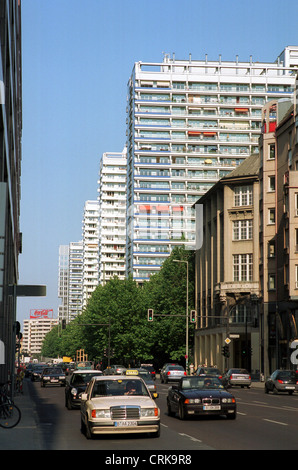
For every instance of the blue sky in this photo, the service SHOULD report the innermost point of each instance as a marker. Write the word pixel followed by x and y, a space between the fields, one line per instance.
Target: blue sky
pixel 77 57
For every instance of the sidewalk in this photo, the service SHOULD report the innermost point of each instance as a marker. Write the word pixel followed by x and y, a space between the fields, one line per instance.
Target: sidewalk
pixel 25 435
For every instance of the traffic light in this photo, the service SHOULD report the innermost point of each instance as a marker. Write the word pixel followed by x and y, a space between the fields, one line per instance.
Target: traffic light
pixel 150 314
pixel 225 351
pixel 193 316
pixel 63 324
pixel 244 351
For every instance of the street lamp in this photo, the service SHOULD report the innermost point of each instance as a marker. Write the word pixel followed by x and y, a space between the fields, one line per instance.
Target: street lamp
pixel 186 352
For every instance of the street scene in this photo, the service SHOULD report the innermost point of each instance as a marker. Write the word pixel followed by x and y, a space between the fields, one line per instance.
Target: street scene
pixel 148 228
pixel 264 422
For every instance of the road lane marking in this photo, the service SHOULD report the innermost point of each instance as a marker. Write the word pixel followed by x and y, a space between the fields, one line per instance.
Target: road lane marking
pixel 275 422
pixel 190 437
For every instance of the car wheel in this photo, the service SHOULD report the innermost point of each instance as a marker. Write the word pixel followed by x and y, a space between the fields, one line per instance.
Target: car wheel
pixel 266 389
pixel 181 412
pixel 68 404
pixel 88 433
pixel 275 391
pixel 170 412
pixel 83 426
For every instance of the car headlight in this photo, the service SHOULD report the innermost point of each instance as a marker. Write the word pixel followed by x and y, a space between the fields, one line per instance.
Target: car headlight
pixel 228 400
pixel 46 378
pixel 100 414
pixel 146 412
pixel 61 377
pixel 191 401
pixel 74 391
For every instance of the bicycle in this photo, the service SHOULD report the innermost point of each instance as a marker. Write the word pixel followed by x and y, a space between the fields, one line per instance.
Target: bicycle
pixel 10 414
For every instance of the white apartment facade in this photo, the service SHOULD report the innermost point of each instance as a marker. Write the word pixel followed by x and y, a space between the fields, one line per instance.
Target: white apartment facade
pixel 34 332
pixel 75 279
pixel 90 249
pixel 112 215
pixel 63 281
pixel 189 123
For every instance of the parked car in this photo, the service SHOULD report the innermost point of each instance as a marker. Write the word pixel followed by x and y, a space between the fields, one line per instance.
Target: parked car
pixel 171 373
pixel 118 405
pixel 198 395
pixel 237 377
pixel 150 369
pixel 115 370
pixel 76 385
pixel 282 381
pixel 209 371
pixel 53 376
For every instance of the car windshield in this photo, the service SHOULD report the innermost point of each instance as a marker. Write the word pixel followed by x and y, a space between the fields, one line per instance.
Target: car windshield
pixel 53 371
pixel 201 383
pixel 210 371
pixel 82 378
pixel 239 371
pixel 145 375
pixel 115 388
pixel 286 375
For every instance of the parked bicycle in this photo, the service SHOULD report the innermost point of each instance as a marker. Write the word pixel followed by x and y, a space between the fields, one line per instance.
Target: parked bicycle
pixel 10 414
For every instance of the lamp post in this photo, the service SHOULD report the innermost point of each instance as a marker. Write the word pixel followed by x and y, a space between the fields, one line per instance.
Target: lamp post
pixel 186 352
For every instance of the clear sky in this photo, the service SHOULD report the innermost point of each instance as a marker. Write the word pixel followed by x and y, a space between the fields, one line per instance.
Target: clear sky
pixel 77 57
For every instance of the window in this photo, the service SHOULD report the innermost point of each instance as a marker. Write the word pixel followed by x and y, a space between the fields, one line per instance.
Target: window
pixel 243 195
pixel 271 249
pixel 296 277
pixel 271 282
pixel 296 204
pixel 272 151
pixel 271 183
pixel 271 216
pixel 242 230
pixel 242 267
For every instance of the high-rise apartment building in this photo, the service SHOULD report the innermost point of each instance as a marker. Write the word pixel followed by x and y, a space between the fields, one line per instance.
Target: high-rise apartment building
pixel 90 249
pixel 189 123
pixel 34 332
pixel 70 281
pixel 63 281
pixel 75 299
pixel 112 216
pixel 10 164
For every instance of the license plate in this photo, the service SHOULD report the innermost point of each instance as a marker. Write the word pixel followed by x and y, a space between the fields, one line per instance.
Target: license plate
pixel 290 388
pixel 54 380
pixel 211 407
pixel 120 424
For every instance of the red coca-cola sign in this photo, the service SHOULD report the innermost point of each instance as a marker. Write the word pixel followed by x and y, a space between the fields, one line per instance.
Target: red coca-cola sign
pixel 41 313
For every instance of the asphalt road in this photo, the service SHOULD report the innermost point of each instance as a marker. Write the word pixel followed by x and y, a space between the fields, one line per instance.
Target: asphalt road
pixel 264 422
